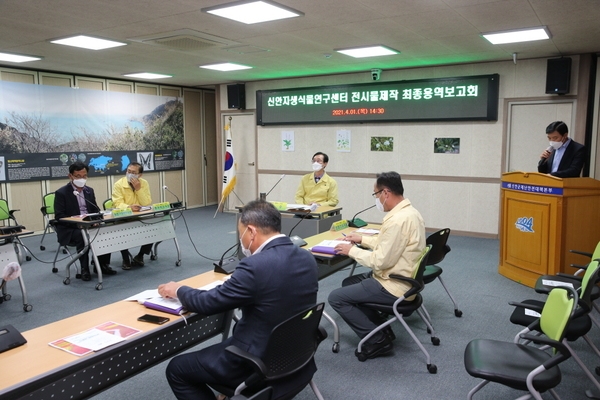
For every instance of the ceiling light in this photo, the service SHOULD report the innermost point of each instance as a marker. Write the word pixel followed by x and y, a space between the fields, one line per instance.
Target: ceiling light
pixel 370 51
pixel 88 42
pixel 252 11
pixel 519 35
pixel 147 75
pixel 225 67
pixel 18 58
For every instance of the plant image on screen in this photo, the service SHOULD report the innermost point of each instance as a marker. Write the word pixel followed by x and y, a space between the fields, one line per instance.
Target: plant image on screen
pixel 379 143
pixel 446 145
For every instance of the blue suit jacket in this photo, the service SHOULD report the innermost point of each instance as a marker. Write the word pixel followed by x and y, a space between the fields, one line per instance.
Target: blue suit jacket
pixel 66 205
pixel 269 287
pixel 570 165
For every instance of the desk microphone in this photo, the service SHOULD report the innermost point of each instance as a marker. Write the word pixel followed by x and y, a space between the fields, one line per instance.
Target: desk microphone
pixel 93 216
pixel 297 240
pixel 174 205
pixel 263 196
pixel 550 150
pixel 357 222
pixel 226 266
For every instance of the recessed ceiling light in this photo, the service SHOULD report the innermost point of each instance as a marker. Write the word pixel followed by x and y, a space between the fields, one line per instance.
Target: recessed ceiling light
pixel 147 75
pixel 225 67
pixel 252 11
pixel 88 42
pixel 370 51
pixel 518 35
pixel 18 58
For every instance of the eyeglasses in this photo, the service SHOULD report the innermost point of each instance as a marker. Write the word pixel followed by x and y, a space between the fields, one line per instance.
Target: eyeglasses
pixel 376 193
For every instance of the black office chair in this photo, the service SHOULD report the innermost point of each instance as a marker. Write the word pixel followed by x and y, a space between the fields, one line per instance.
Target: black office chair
pixel 524 314
pixel 65 250
pixel 518 365
pixel 47 210
pixel 438 252
pixel 8 215
pixel 402 308
pixel 292 345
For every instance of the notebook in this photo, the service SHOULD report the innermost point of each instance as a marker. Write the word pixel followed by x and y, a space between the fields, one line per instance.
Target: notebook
pixel 327 246
pixel 171 306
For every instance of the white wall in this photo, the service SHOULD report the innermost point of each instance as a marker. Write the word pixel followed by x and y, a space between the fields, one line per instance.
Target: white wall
pixel 459 191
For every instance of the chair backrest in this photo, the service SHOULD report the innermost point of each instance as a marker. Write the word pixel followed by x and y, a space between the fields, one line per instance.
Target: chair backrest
pixel 588 281
pixel 422 263
pixel 557 312
pixel 439 250
pixel 293 343
pixel 48 201
pixel 108 204
pixel 4 210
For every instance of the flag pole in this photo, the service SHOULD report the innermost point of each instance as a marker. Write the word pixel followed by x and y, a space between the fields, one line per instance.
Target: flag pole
pixel 229 168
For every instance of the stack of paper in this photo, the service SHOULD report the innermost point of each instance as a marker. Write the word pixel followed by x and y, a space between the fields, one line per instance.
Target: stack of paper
pixel 327 246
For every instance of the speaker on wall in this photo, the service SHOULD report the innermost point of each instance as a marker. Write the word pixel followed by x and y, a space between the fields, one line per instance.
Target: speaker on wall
pixel 236 96
pixel 558 75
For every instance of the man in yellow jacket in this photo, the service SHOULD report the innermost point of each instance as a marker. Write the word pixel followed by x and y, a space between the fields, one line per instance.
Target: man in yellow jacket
pixel 133 192
pixel 318 187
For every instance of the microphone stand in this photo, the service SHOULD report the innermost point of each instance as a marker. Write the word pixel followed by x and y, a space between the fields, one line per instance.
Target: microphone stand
pixel 357 222
pixel 297 240
pixel 263 196
pixel 226 266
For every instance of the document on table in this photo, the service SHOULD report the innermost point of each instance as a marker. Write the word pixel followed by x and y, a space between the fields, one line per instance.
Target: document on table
pixel 367 231
pixel 549 282
pixel 94 339
pixel 327 246
pixel 298 207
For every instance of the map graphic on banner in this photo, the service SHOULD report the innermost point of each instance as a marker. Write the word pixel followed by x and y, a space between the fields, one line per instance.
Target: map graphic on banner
pixel 44 129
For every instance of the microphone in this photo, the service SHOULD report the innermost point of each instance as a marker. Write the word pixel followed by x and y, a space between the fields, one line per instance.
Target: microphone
pixel 357 222
pixel 297 240
pixel 550 150
pixel 93 216
pixel 263 196
pixel 226 266
pixel 178 204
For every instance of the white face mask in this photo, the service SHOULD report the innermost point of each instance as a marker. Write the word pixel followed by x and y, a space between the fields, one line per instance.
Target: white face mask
pixel 131 176
pixel 556 145
pixel 378 204
pixel 79 182
pixel 316 166
pixel 245 251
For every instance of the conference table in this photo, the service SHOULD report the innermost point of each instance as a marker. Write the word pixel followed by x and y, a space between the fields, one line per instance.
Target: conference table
pixel 38 371
pixel 115 233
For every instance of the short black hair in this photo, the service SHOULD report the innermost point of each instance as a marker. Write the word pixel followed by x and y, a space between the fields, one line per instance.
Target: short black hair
pixel 391 181
pixel 78 166
pixel 557 126
pixel 263 215
pixel 137 164
pixel 325 156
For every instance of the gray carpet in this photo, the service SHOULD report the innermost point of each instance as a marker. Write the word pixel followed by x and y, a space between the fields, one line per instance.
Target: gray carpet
pixel 470 272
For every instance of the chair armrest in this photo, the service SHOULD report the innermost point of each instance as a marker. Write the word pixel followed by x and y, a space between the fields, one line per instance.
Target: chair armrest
pixel 256 362
pixel 546 341
pixel 43 209
pixel 416 286
pixel 528 306
pixel 322 334
pixel 582 253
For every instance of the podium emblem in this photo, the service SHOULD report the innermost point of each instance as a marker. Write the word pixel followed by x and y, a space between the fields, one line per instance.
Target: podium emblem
pixel 525 224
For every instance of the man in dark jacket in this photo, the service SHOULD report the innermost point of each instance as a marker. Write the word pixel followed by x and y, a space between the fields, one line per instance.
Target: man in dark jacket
pixel 274 282
pixel 75 198
pixel 564 157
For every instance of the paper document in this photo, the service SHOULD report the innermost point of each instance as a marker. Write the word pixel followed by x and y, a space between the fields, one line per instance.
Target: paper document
pixel 532 313
pixel 94 339
pixel 367 231
pixel 298 207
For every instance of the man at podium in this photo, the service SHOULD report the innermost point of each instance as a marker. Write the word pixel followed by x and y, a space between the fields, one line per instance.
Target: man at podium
pixel 564 157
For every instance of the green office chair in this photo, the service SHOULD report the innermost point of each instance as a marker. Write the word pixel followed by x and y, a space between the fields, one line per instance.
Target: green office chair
pixel 108 204
pixel 518 365
pixel 47 210
pixel 7 215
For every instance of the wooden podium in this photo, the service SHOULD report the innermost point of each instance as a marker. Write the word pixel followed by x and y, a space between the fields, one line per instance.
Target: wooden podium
pixel 542 218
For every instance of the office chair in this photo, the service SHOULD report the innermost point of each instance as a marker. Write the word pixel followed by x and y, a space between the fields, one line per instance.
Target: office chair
pixel 108 204
pixel 580 324
pixel 6 214
pixel 519 365
pixel 438 251
pixel 401 309
pixel 292 345
pixel 65 250
pixel 264 394
pixel 47 210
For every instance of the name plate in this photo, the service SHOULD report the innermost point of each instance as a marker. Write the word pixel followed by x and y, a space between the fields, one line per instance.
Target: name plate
pixel 161 206
pixel 122 213
pixel 339 225
pixel 280 205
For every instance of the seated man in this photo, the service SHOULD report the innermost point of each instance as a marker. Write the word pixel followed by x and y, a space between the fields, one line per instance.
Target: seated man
pixel 396 250
pixel 76 199
pixel 318 187
pixel 274 282
pixel 133 192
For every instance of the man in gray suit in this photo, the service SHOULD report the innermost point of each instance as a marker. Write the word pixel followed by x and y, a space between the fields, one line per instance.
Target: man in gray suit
pixel 275 281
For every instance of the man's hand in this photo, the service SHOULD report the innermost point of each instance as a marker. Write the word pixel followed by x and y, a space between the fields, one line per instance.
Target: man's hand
pixel 343 248
pixel 135 207
pixel 135 182
pixel 169 290
pixel 545 154
pixel 355 238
